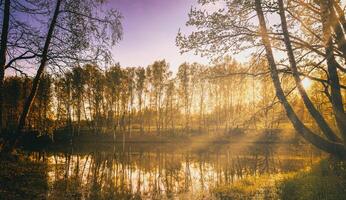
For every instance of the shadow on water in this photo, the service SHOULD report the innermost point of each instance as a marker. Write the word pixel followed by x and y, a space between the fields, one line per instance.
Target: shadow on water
pixel 164 171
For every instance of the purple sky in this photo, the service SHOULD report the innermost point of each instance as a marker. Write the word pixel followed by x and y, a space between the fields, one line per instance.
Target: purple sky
pixel 150 28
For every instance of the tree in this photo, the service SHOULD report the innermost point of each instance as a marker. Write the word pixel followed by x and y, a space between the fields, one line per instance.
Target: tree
pixel 140 86
pixel 78 89
pixel 94 81
pixel 160 74
pixel 170 104
pixel 221 32
pixel 185 77
pixel 3 49
pixel 13 96
pixel 73 16
pixel 43 105
pixel 66 89
pixel 113 85
pixel 334 148
pixel 77 31
pixel 131 91
pixel 202 86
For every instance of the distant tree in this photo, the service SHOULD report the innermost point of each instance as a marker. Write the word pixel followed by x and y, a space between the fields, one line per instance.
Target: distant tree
pixel 170 107
pixel 98 91
pixel 66 84
pixel 13 96
pixel 59 96
pixel 201 88
pixel 140 87
pixel 149 93
pixel 94 83
pixel 78 90
pixel 43 104
pixel 125 98
pixel 160 74
pixel 185 90
pixel 131 86
pixel 113 85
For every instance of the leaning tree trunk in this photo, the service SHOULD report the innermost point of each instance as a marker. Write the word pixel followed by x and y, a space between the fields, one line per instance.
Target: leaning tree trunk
pixel 337 26
pixel 335 93
pixel 36 82
pixel 3 47
pixel 37 79
pixel 321 143
pixel 316 115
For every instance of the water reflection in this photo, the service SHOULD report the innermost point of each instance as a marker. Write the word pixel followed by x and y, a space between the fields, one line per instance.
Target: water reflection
pixel 155 171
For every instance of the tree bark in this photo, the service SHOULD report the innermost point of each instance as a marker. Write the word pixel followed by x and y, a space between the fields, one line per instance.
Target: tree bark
pixel 332 64
pixel 3 48
pixel 341 13
pixel 325 145
pixel 339 19
pixel 336 25
pixel 37 79
pixel 321 122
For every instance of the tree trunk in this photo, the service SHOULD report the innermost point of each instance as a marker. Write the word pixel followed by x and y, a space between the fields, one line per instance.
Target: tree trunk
pixel 341 14
pixel 37 79
pixel 140 114
pixel 325 145
pixel 332 64
pixel 316 115
pixel 3 48
pixel 339 23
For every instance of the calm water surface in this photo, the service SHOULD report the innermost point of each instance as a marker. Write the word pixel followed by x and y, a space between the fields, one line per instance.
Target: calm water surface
pixel 164 171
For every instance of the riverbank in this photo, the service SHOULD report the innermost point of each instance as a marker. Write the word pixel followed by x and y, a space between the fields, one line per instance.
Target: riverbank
pixel 34 140
pixel 326 180
pixel 179 136
pixel 21 178
pixel 217 141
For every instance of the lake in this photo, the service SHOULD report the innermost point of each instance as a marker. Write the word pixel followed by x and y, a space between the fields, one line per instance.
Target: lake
pixel 164 171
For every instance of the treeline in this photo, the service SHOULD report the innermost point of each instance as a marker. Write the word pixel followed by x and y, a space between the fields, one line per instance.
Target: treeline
pixel 151 99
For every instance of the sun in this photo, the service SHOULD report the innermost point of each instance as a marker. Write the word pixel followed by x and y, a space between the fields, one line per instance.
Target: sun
pixel 306 83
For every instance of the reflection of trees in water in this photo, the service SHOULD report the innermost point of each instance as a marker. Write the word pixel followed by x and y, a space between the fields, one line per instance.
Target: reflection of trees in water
pixel 127 174
pixel 263 159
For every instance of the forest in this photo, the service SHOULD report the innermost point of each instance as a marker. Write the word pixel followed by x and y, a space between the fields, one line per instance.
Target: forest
pixel 263 118
pixel 146 100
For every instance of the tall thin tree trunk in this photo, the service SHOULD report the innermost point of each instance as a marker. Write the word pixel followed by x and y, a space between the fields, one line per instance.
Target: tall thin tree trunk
pixel 79 115
pixel 140 114
pixel 172 114
pixel 3 48
pixel 201 103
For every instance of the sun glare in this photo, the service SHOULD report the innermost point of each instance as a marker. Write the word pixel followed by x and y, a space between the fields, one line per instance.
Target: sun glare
pixel 306 83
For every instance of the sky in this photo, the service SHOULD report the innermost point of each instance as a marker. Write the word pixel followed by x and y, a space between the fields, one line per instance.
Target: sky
pixel 149 31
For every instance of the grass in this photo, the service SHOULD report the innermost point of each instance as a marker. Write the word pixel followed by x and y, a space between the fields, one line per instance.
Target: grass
pixel 324 181
pixel 260 187
pixel 21 178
